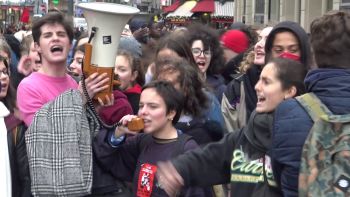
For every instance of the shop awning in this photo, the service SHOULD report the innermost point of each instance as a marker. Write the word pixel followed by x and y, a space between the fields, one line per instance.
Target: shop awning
pixel 204 6
pixel 226 9
pixel 184 10
pixel 172 7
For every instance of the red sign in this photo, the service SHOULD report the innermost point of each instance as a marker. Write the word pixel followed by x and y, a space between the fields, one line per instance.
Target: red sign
pixel 146 180
pixel 25 15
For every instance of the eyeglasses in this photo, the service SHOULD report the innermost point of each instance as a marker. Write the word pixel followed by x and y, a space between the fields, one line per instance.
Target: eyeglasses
pixel 4 72
pixel 198 52
pixel 6 60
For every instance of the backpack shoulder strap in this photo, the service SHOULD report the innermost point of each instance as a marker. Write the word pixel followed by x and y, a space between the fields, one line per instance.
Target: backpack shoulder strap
pixel 316 109
pixel 181 143
pixel 233 90
pixel 313 105
pixel 237 85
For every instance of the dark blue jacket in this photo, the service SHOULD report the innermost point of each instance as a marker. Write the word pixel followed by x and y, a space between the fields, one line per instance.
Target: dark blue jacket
pixel 292 123
pixel 217 85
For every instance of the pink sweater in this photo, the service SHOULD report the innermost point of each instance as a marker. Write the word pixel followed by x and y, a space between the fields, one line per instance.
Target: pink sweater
pixel 38 89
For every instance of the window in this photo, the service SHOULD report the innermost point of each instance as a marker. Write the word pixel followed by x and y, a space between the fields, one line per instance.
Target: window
pixel 259 11
pixel 345 5
pixel 329 5
pixel 259 6
pixel 274 10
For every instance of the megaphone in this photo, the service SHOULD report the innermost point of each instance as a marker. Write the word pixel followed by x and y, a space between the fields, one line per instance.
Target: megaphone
pixel 106 22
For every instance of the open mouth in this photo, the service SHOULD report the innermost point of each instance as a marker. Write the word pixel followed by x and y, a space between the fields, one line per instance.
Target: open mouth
pixel 75 74
pixel 201 64
pixel 3 85
pixel 261 99
pixel 146 123
pixel 260 54
pixel 56 49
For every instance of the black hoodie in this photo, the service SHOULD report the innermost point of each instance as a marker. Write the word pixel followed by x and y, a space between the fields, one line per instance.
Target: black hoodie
pixel 243 160
pixel 299 32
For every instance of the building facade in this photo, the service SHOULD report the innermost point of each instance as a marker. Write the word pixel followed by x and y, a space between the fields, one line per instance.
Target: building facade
pixel 11 11
pixel 270 12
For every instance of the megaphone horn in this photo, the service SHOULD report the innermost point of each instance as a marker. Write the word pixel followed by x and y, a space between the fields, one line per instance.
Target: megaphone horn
pixel 106 22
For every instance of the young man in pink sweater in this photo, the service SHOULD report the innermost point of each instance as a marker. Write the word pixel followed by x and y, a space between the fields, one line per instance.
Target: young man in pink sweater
pixel 53 37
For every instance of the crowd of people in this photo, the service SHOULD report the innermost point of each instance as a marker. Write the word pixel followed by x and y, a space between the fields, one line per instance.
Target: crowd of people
pixel 220 108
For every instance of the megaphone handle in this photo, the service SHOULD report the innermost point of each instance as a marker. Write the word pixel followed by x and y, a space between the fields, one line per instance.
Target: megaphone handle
pixel 86 72
pixel 92 107
pixel 87 58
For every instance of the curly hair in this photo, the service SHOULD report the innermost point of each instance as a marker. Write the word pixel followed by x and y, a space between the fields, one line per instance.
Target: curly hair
pixel 177 43
pixel 191 84
pixel 330 40
pixel 210 39
pixel 248 60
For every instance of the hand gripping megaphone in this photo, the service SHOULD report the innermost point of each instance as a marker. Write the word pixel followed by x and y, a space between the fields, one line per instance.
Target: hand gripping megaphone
pixel 106 22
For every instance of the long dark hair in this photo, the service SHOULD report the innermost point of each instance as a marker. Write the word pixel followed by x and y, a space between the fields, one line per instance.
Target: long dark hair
pixel 10 99
pixel 179 45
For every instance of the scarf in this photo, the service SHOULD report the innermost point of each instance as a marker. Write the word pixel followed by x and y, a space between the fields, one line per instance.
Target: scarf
pixel 59 147
pixel 5 169
pixel 259 130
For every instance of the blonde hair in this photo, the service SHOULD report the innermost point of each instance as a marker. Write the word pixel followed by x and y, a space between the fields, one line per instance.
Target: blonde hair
pixel 247 62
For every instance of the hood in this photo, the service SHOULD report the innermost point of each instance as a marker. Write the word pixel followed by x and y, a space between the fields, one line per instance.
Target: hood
pixel 135 89
pixel 332 86
pixel 118 95
pixel 299 32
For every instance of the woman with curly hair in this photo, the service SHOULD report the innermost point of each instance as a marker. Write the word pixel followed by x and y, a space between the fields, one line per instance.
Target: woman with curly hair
pixel 198 118
pixel 174 45
pixel 208 55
